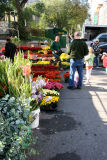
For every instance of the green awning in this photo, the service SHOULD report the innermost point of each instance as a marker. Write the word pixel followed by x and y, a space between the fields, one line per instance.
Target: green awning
pixel 58 31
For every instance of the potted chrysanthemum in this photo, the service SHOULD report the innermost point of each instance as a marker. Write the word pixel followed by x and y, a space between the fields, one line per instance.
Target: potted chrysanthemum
pixel 49 103
pixel 66 77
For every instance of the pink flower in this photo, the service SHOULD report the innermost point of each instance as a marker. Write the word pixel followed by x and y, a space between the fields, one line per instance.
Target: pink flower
pixel 20 66
pixel 54 85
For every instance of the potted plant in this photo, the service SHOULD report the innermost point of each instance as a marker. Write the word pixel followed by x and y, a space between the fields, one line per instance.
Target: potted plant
pixel 49 103
pixel 66 77
pixel 15 132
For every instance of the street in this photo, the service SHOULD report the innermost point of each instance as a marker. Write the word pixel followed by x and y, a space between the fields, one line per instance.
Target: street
pixel 78 129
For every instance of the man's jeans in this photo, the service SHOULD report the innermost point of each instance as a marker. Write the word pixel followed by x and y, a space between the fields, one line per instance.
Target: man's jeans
pixel 96 60
pixel 76 64
pixel 57 59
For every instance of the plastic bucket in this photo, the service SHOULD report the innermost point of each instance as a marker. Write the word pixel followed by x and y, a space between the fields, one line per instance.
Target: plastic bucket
pixel 35 115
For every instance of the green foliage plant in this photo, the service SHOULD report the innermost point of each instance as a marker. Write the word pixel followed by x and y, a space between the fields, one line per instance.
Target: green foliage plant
pixel 15 133
pixel 16 40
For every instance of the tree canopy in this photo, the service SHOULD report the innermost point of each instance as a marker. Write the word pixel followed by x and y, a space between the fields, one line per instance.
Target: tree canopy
pixel 4 7
pixel 63 14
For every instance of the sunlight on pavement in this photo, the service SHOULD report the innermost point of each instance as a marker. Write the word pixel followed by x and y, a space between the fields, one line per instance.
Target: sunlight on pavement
pixel 100 105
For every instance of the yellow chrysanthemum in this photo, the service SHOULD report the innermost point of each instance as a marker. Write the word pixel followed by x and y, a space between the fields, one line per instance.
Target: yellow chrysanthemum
pixel 64 56
pixel 47 48
pixel 49 99
pixel 65 63
pixel 42 62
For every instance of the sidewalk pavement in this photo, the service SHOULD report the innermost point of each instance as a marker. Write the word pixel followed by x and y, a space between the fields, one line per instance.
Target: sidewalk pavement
pixel 78 129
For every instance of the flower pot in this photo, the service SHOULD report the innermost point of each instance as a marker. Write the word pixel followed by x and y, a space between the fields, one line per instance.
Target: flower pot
pixel 35 115
pixel 51 107
pixel 66 80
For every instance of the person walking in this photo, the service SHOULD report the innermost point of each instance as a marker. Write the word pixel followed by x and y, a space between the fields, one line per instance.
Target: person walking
pixel 77 50
pixel 89 59
pixel 96 49
pixel 56 51
pixel 104 58
pixel 10 49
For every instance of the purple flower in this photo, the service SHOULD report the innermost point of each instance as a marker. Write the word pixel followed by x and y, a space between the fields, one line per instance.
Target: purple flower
pixel 33 96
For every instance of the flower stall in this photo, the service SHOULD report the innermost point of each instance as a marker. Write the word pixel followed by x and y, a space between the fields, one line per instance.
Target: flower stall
pixel 27 85
pixel 15 107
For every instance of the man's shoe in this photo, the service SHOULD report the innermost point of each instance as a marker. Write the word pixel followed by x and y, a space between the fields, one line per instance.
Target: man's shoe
pixel 70 87
pixel 78 87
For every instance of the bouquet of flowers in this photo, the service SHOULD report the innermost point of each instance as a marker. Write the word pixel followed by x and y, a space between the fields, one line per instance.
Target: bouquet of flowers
pixel 36 92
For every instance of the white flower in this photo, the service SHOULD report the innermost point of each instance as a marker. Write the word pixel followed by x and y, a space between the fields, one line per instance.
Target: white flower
pixel 49 98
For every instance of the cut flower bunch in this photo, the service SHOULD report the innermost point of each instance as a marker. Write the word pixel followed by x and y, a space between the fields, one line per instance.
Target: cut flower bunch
pixel 16 76
pixel 37 92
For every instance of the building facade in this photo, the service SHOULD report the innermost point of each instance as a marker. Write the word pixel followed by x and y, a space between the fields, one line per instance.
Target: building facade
pixel 98 12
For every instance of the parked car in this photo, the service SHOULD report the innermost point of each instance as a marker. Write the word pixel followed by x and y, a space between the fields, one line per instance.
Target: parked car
pixel 103 48
pixel 101 37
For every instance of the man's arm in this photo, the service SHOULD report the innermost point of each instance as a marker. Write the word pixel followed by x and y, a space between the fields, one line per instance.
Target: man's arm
pixel 52 46
pixel 69 49
pixel 85 49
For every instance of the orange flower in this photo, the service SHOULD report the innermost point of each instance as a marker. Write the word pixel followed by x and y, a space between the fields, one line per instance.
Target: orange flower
pixel 26 71
pixel 34 79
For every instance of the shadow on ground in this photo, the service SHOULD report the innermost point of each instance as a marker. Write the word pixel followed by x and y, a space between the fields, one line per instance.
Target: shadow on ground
pixel 77 130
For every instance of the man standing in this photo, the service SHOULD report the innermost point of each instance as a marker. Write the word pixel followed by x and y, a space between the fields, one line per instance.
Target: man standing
pixel 10 49
pixel 77 50
pixel 96 49
pixel 56 50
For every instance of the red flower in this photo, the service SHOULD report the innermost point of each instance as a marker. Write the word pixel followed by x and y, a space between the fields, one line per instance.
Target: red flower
pixel 49 51
pixel 29 48
pixel 66 75
pixel 42 67
pixel 5 88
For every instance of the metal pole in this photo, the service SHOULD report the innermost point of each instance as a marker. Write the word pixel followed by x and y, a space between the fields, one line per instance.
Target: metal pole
pixel 18 33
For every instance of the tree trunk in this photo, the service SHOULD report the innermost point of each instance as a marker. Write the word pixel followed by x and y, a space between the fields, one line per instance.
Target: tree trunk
pixel 21 23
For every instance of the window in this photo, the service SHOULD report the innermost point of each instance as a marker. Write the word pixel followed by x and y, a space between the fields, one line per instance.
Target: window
pixel 103 38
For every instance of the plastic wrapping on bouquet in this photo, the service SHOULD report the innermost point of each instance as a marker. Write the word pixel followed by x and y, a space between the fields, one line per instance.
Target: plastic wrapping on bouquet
pixel 35 115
